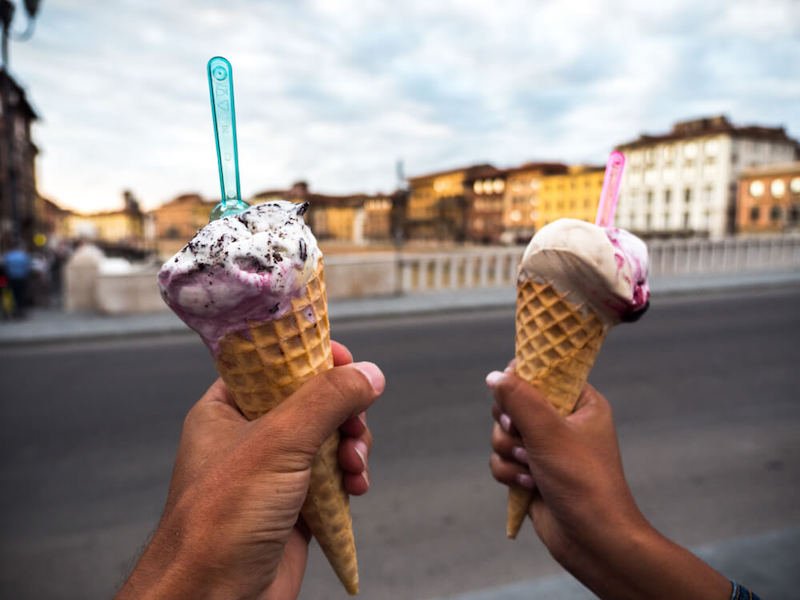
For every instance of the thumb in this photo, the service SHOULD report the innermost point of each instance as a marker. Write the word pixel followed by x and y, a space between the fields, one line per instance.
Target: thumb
pixel 532 415
pixel 308 417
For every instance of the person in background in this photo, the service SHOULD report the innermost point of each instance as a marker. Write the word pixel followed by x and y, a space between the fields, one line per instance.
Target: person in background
pixel 583 510
pixel 6 298
pixel 18 266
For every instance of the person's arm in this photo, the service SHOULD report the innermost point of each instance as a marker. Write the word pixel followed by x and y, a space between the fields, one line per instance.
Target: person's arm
pixel 231 528
pixel 583 509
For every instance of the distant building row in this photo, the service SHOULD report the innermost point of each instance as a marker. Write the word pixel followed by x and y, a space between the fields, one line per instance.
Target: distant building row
pixel 706 177
pixel 680 183
pixel 355 218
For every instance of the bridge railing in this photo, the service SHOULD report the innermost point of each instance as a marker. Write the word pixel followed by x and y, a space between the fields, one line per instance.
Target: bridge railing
pixel 495 266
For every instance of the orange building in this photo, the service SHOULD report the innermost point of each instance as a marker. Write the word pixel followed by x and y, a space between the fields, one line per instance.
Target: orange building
pixel 175 222
pixel 347 218
pixel 441 205
pixel 768 199
pixel 484 188
pixel 522 202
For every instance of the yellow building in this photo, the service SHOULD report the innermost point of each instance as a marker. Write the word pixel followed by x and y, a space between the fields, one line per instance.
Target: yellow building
pixel 178 220
pixel 378 217
pixel 124 227
pixel 521 201
pixel 438 203
pixel 346 218
pixel 574 194
pixel 51 221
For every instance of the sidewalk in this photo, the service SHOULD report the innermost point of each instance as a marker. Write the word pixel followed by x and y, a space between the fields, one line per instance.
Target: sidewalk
pixel 768 564
pixel 51 325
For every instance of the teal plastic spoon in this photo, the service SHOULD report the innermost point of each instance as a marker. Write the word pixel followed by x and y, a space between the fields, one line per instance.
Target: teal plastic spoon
pixel 223 111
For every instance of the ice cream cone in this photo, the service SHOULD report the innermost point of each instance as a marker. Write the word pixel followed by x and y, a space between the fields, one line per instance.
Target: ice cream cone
pixel 265 363
pixel 557 341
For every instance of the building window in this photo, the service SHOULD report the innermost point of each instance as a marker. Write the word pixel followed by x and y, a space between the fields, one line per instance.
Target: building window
pixel 687 195
pixel 649 197
pixel 690 150
pixel 477 187
pixel 795 185
pixel 755 214
pixel 686 220
pixel 775 213
pixel 777 188
pixel 757 188
pixel 794 214
pixel 667 196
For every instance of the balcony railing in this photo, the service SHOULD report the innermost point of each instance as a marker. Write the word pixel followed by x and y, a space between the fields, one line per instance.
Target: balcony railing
pixel 478 268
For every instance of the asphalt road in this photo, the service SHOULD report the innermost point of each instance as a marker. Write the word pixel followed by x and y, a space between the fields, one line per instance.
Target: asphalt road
pixel 705 397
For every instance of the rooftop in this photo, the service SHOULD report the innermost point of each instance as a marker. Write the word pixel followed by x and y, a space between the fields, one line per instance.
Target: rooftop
pixel 706 126
pixel 792 168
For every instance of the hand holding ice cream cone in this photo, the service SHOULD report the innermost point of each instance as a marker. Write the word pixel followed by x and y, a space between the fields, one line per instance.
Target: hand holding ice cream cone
pixel 231 525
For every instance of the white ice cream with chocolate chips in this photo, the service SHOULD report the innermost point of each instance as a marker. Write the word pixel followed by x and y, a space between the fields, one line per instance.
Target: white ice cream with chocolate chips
pixel 242 268
pixel 606 268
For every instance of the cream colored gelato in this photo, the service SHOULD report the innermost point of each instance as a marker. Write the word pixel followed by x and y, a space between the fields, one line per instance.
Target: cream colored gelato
pixel 605 267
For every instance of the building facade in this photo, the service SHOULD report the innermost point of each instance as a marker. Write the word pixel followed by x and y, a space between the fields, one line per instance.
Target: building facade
pixel 684 182
pixel 441 204
pixel 176 222
pixel 521 201
pixel 123 228
pixel 768 199
pixel 574 194
pixel 356 218
pixel 51 222
pixel 484 190
pixel 18 194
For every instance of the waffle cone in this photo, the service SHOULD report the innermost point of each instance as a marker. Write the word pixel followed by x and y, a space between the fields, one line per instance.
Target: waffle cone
pixel 265 364
pixel 557 341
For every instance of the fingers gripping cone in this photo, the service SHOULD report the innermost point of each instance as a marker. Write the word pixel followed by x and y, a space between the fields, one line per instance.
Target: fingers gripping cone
pixel 557 341
pixel 267 363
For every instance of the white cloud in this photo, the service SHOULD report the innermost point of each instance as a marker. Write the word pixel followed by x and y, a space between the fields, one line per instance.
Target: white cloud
pixel 336 91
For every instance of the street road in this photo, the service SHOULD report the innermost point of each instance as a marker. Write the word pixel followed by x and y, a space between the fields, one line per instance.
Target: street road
pixel 705 397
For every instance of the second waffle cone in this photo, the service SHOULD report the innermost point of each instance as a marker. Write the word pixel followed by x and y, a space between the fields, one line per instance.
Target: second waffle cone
pixel 265 364
pixel 557 341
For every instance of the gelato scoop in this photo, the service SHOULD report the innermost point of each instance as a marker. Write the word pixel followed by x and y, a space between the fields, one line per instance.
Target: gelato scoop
pixel 605 267
pixel 246 267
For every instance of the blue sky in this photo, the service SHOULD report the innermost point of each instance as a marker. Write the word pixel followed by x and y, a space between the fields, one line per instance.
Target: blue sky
pixel 335 91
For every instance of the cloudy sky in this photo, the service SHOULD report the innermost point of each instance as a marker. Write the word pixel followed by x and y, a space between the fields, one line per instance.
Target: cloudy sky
pixel 335 91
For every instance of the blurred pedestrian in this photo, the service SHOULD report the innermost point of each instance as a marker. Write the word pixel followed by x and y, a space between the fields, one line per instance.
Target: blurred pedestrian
pixel 583 509
pixel 6 296
pixel 18 266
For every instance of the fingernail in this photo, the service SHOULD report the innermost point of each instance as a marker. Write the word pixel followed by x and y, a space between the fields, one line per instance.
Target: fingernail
pixel 361 449
pixel 525 480
pixel 505 422
pixel 373 375
pixel 493 378
pixel 520 454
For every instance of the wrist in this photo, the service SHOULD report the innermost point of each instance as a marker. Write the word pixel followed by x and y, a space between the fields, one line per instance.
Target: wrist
pixel 643 564
pixel 176 564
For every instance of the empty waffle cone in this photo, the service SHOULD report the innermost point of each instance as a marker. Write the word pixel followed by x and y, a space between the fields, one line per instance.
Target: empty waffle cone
pixel 265 364
pixel 557 341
